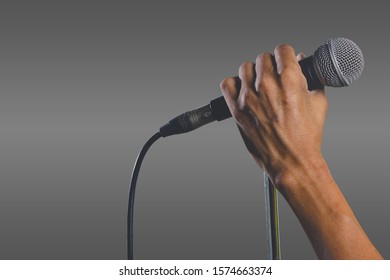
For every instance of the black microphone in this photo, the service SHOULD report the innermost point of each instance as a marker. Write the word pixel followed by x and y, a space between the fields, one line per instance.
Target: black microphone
pixel 336 63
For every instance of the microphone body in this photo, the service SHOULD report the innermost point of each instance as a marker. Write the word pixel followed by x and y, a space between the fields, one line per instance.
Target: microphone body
pixel 336 63
pixel 217 109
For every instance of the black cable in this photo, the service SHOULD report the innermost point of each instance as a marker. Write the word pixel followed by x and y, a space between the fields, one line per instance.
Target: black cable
pixel 133 183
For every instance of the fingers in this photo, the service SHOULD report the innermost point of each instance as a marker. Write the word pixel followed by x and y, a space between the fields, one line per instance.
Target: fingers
pixel 237 92
pixel 285 58
pixel 262 80
pixel 247 75
pixel 265 72
pixel 291 79
pixel 267 84
pixel 247 100
pixel 230 88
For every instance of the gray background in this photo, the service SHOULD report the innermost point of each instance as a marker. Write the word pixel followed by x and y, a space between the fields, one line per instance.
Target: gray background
pixel 84 85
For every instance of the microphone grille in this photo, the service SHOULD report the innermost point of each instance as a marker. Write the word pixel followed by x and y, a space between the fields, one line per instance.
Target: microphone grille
pixel 339 62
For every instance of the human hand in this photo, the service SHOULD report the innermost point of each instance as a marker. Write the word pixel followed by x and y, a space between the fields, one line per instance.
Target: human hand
pixel 280 120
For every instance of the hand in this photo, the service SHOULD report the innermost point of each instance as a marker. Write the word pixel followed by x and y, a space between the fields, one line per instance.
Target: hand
pixel 280 120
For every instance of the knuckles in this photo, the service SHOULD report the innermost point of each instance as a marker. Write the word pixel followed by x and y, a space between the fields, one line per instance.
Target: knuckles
pixel 246 65
pixel 226 84
pixel 244 101
pixel 262 84
pixel 262 57
pixel 292 77
pixel 288 75
pixel 245 69
pixel 284 48
pixel 254 90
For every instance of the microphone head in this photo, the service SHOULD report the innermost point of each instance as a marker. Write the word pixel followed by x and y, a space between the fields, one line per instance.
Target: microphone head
pixel 339 62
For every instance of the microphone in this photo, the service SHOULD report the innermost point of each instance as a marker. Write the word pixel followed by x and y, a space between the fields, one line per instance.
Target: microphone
pixel 338 62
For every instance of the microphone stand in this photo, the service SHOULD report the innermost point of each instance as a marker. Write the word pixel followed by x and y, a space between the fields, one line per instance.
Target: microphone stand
pixel 272 219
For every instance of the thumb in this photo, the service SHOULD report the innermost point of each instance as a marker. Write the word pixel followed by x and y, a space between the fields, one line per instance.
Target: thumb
pixel 300 56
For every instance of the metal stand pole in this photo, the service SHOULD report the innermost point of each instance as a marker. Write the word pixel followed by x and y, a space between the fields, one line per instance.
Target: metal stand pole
pixel 272 219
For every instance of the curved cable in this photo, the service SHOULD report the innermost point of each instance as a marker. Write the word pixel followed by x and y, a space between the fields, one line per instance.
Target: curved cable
pixel 133 183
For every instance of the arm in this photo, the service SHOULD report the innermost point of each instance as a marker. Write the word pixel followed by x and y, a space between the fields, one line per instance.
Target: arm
pixel 281 124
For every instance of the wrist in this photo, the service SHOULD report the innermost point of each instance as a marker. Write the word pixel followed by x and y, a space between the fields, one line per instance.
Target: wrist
pixel 307 174
pixel 311 192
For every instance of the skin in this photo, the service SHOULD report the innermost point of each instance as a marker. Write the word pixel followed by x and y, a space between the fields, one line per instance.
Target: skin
pixel 281 123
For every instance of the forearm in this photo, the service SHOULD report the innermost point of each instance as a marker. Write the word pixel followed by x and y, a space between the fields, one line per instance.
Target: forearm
pixel 324 213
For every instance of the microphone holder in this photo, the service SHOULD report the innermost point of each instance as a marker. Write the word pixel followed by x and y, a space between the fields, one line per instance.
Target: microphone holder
pixel 272 219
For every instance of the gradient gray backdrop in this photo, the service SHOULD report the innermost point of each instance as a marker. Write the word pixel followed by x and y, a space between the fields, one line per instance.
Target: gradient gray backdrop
pixel 84 85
